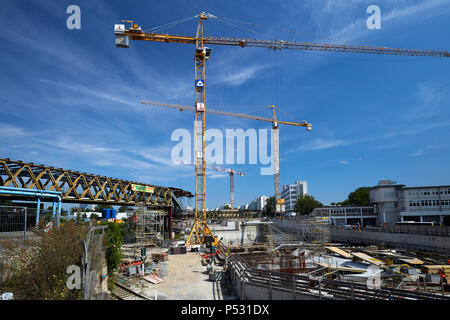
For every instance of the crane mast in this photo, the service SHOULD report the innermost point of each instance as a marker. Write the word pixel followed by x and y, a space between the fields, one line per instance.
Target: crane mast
pixel 200 228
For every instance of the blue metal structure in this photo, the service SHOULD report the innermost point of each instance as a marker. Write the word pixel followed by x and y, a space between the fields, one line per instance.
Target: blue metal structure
pixel 38 194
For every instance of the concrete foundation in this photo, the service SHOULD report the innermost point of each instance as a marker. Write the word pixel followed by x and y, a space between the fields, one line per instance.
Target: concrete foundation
pixel 238 233
pixel 399 240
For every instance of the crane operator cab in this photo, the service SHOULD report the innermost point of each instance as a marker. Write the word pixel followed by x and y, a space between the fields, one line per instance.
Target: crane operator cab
pixel 206 52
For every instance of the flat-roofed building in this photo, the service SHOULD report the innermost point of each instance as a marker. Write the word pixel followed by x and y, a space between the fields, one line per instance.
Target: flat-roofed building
pixel 291 192
pixel 398 203
pixel 348 215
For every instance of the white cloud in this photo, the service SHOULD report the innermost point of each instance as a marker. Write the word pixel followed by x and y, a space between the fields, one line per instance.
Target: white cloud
pixel 320 143
pixel 236 77
pixel 418 153
pixel 7 130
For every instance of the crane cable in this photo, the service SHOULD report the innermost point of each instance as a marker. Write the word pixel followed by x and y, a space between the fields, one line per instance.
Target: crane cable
pixel 168 25
pixel 226 20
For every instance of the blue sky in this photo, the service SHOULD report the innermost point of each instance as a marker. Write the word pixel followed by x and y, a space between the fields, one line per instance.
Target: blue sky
pixel 70 98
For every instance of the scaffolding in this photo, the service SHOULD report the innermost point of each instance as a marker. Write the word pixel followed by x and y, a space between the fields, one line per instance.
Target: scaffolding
pixel 268 237
pixel 148 228
pixel 314 230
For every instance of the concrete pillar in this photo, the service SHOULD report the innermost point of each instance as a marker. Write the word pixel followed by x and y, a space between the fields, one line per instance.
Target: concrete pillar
pixel 421 218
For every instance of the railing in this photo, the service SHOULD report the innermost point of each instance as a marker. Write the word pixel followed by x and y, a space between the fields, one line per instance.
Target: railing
pixel 435 231
pixel 15 219
pixel 319 287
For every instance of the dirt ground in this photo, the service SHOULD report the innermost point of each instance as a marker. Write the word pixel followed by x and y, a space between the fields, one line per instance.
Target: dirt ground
pixel 187 279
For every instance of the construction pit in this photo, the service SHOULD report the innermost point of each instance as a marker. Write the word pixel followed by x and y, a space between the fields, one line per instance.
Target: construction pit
pixel 257 261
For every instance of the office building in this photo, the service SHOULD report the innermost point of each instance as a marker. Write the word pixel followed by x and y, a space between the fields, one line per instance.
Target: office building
pixel 291 192
pixel 398 203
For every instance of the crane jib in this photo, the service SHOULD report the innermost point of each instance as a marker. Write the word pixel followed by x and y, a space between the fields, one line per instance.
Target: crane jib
pixel 280 44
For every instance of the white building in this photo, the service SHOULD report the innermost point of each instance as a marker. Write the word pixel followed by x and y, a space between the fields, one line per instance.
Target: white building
pixel 348 215
pixel 398 203
pixel 257 204
pixel 291 192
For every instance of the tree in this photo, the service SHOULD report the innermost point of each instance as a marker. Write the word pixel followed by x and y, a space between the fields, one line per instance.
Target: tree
pixel 113 241
pixel 306 204
pixel 123 209
pixel 359 197
pixel 270 206
pixel 100 207
pixel 6 203
pixel 226 207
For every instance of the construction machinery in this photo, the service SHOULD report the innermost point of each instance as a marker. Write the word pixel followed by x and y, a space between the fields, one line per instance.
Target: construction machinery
pixel 200 228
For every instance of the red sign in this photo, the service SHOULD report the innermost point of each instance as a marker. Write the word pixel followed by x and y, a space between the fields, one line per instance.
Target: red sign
pixel 386 182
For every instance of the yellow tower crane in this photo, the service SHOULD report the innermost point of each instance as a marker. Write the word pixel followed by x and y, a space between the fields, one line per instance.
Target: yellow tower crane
pixel 202 53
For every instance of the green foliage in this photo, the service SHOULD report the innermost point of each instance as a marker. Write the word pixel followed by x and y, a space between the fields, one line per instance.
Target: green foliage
pixel 122 209
pixel 270 206
pixel 113 242
pixel 306 204
pixel 39 271
pixel 94 216
pixel 359 197
pixel 6 202
pixel 100 207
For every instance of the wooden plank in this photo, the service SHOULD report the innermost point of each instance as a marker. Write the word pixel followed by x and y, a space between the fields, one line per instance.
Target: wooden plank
pixel 414 261
pixel 340 252
pixel 367 258
pixel 340 268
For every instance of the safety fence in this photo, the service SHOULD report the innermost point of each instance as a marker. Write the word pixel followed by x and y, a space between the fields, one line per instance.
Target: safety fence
pixel 14 219
pixel 314 287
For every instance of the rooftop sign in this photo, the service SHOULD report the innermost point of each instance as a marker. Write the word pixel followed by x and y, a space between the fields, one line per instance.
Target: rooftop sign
pixel 380 182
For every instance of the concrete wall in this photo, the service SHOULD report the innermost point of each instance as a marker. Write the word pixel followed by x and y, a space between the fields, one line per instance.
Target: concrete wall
pixel 400 240
pixel 236 233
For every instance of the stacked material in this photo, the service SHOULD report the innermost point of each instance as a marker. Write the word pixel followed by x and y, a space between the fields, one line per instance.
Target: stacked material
pixel 178 250
pixel 153 279
pixel 435 268
pixel 438 269
pixel 163 256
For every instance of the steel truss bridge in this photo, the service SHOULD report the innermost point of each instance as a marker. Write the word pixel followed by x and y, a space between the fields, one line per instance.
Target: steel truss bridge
pixel 81 187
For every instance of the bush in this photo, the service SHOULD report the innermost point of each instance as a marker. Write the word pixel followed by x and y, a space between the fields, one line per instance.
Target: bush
pixel 38 271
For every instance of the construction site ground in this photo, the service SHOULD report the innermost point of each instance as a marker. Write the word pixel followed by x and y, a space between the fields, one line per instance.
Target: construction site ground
pixel 185 279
